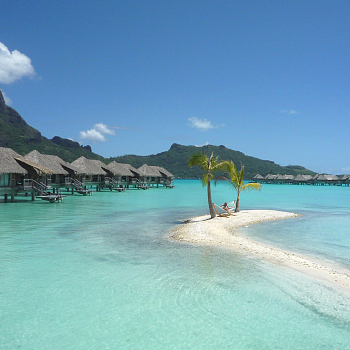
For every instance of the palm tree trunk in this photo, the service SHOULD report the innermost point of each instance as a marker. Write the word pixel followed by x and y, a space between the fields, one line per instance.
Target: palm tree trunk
pixel 237 201
pixel 210 202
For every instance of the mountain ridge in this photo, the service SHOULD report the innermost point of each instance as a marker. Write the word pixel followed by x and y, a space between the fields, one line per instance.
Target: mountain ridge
pixel 176 161
pixel 15 133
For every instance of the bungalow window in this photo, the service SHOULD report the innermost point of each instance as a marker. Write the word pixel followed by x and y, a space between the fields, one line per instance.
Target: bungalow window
pixel 4 179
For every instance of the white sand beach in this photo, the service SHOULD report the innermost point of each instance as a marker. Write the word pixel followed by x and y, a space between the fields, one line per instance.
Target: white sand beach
pixel 222 232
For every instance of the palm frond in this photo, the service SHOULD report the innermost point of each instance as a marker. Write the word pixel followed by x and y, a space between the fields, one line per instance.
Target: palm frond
pixel 219 166
pixel 205 180
pixel 221 178
pixel 252 186
pixel 215 164
pixel 198 159
pixel 241 174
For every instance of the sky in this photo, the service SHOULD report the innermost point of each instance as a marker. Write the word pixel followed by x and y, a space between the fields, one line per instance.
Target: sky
pixel 268 78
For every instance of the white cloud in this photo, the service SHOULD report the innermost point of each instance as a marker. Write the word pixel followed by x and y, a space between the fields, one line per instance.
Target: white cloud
pixel 103 129
pixel 92 135
pixel 14 65
pixel 206 144
pixel 96 134
pixel 201 124
pixel 289 111
pixel 8 101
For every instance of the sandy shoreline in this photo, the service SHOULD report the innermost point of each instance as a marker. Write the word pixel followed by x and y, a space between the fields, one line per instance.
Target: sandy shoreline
pixel 221 232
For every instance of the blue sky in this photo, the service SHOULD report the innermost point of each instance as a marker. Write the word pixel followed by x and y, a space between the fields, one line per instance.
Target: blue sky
pixel 268 78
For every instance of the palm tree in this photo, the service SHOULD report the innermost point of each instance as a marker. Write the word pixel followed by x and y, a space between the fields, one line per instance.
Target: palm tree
pixel 236 180
pixel 209 165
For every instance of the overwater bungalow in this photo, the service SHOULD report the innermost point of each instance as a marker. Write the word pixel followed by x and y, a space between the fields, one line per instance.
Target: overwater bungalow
pixel 155 176
pixel 149 175
pixel 64 175
pixel 122 175
pixel 344 180
pixel 167 176
pixel 20 175
pixel 303 179
pixel 92 172
pixel 11 172
pixel 258 178
pixel 284 179
pixel 289 178
pixel 280 179
pixel 325 179
pixel 270 179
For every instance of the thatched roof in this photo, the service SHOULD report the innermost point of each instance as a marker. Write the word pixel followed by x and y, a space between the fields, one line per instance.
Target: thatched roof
pixel 121 169
pixel 8 163
pixel 89 166
pixel 332 177
pixel 146 170
pixel 303 178
pixel 284 177
pixel 270 177
pixel 258 177
pixel 13 163
pixel 325 177
pixel 39 169
pixel 48 161
pixel 69 167
pixel 300 178
pixel 163 171
pixel 55 163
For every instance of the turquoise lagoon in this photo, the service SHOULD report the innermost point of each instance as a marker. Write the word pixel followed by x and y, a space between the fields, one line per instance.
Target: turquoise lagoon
pixel 99 272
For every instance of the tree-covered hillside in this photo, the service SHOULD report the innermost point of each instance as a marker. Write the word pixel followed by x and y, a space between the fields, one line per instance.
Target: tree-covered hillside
pixel 176 161
pixel 15 133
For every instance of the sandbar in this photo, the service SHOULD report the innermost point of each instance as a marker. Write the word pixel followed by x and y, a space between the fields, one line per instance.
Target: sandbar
pixel 222 232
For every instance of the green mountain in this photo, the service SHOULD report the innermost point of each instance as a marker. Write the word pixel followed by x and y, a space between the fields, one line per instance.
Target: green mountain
pixel 15 133
pixel 176 159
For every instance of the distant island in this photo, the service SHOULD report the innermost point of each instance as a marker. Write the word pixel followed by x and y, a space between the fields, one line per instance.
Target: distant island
pixel 16 134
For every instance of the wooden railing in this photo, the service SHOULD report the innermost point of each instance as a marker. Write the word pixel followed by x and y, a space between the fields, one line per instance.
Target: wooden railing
pixel 30 184
pixel 69 181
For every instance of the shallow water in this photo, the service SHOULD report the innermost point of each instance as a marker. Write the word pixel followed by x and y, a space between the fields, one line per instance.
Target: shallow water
pixel 100 273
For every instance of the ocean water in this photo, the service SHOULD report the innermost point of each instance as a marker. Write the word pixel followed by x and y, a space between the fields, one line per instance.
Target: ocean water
pixel 99 272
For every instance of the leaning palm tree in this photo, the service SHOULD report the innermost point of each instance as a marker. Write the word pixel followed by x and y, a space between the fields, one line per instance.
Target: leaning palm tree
pixel 236 180
pixel 209 165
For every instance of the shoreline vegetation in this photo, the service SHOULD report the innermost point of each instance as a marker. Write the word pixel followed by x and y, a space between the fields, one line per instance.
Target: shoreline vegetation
pixel 221 232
